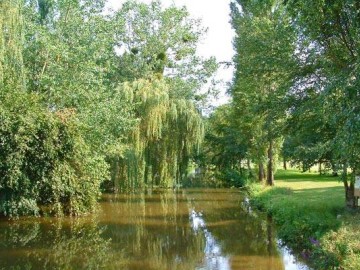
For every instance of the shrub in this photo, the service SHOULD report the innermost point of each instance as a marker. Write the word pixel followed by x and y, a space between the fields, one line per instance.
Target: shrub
pixel 232 178
pixel 45 165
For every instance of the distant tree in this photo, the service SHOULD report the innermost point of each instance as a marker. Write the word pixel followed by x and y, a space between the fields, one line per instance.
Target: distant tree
pixel 308 135
pixel 226 148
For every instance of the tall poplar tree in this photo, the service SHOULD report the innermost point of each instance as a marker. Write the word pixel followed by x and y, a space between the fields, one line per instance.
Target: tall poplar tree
pixel 264 45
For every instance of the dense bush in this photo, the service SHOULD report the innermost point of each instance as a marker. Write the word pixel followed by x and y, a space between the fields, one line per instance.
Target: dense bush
pixel 212 177
pixel 233 178
pixel 45 166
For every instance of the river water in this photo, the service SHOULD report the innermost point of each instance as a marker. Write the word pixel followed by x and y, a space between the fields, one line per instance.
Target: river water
pixel 202 229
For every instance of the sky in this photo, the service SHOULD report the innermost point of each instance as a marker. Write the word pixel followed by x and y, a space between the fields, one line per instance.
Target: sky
pixel 215 15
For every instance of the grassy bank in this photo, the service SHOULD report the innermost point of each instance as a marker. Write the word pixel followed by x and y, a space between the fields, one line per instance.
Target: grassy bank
pixel 310 212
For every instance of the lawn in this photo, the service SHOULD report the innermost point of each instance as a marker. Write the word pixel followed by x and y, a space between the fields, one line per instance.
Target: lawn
pixel 311 190
pixel 310 212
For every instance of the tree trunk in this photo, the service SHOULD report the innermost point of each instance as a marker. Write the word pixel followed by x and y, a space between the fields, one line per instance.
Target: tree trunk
pixel 261 172
pixel 284 164
pixel 116 175
pixel 344 173
pixel 320 168
pixel 249 168
pixel 270 166
pixel 334 168
pixel 350 199
pixel 240 168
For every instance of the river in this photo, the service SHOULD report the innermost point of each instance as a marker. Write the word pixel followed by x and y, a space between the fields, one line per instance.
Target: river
pixel 202 229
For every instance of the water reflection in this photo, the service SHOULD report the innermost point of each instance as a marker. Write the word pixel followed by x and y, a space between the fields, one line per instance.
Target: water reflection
pixel 213 258
pixel 45 244
pixel 188 229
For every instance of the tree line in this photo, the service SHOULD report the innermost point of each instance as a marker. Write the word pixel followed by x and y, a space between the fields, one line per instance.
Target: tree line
pixel 295 91
pixel 94 100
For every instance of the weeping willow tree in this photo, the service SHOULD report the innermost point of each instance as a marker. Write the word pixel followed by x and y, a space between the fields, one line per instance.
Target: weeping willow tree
pixel 159 147
pixel 11 43
pixel 163 78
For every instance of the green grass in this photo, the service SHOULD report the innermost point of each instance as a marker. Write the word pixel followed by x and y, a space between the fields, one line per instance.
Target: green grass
pixel 310 212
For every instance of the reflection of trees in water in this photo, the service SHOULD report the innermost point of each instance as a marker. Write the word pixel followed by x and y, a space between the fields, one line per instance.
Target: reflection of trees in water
pixel 213 257
pixel 156 234
pixel 59 245
pixel 151 231
pixel 159 235
pixel 243 235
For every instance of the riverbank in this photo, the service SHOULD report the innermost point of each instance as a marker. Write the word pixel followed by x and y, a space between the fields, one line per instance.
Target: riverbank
pixel 310 213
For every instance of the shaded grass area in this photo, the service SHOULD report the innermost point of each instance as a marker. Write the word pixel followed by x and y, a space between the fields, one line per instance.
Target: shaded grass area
pixel 310 212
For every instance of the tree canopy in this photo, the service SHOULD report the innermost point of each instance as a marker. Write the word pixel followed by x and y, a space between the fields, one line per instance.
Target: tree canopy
pixel 295 89
pixel 91 99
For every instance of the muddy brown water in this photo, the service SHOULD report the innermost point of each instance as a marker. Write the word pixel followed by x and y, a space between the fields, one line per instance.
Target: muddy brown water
pixel 189 229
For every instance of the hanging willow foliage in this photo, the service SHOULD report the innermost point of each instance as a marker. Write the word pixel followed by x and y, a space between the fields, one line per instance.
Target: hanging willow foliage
pixel 168 130
pixel 11 43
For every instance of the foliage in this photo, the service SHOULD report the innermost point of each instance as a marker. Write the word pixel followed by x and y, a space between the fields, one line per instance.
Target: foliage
pixel 224 150
pixel 45 165
pixel 71 62
pixel 233 178
pixel 86 94
pixel 343 245
pixel 310 136
pixel 48 162
pixel 296 84
pixel 225 146
pixel 11 39
pixel 328 45
pixel 167 133
pixel 162 77
pixel 264 62
pixel 162 42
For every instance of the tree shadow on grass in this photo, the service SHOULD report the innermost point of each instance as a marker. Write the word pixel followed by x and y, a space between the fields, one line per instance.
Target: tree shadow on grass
pixel 322 190
pixel 297 176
